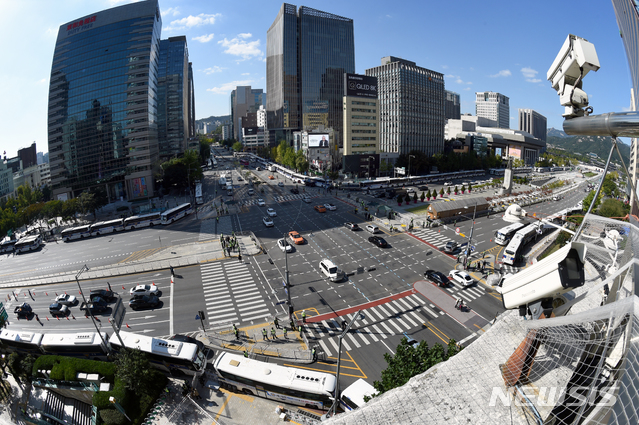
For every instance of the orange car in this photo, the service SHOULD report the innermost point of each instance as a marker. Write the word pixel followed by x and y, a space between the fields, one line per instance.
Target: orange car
pixel 320 208
pixel 296 238
pixel 271 177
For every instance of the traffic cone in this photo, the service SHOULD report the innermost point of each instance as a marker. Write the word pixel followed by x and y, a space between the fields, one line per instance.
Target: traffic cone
pixel 46 293
pixel 47 318
pixel 123 287
pixel 67 317
pixel 127 325
pixel 57 317
pixel 73 316
pixel 171 279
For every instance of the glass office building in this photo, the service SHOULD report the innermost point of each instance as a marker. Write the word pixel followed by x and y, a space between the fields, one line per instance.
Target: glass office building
pixel 102 123
pixel 307 54
pixel 173 97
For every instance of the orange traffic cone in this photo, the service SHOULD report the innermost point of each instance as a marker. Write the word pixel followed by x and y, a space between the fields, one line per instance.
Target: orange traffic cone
pixel 127 325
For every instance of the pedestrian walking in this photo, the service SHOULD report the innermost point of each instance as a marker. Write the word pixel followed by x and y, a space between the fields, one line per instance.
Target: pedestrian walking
pixel 276 322
pixel 299 329
pixel 264 334
pixel 343 325
pixel 246 354
pixel 273 333
pixel 303 316
pixel 285 332
pixel 292 325
pixel 240 257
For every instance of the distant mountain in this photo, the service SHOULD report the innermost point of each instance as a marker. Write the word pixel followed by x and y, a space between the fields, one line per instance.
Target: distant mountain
pixel 555 133
pixel 585 145
pixel 224 119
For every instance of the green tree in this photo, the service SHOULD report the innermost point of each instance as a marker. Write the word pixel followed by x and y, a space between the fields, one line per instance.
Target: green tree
pixel 281 151
pixel 237 147
pixel 441 192
pixel 400 198
pixel 470 187
pixel 429 194
pixel 612 208
pixel 588 199
pixel 133 369
pixel 410 361
pixel 205 149
pixel 289 158
pixel 423 197
pixel 448 190
pixel 415 197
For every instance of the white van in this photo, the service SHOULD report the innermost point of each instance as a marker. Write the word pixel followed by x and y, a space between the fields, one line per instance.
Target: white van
pixel 371 228
pixel 331 271
pixel 251 192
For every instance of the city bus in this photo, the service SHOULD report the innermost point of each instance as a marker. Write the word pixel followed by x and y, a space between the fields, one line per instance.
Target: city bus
pixel 104 227
pixel 8 246
pixel 165 354
pixel 176 213
pixel 198 194
pixel 76 233
pixel 12 341
pixel 145 220
pixel 302 387
pixel 30 243
pixel 517 243
pixel 503 235
pixel 87 345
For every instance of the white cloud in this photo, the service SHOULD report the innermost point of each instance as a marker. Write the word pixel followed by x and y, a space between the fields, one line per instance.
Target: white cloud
pixel 242 48
pixel 213 70
pixel 245 35
pixel 458 79
pixel 226 88
pixel 193 21
pixel 530 74
pixel 204 38
pixel 173 11
pixel 246 73
pixel 502 73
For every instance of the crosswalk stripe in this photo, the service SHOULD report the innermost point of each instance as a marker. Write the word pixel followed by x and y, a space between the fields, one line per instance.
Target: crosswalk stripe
pixel 220 310
pixel 464 296
pixel 405 304
pixel 220 300
pixel 353 340
pixel 345 344
pixel 380 333
pixel 243 309
pixel 251 289
pixel 262 314
pixel 334 344
pixel 370 334
pixel 411 300
pixel 408 319
pixel 245 303
pixel 417 317
pixel 247 297
pixel 467 294
pixel 329 329
pixel 361 335
pixel 237 288
pixel 431 312
pixel 223 314
pixel 324 348
pixel 216 292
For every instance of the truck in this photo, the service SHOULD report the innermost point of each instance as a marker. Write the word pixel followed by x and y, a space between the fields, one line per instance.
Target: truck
pixel 199 200
pixel 271 168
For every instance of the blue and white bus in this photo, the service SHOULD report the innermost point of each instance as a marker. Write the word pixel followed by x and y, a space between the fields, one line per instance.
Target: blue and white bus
pixel 146 220
pixel 30 243
pixel 7 246
pixel 104 227
pixel 79 232
pixel 517 243
pixel 503 235
pixel 86 345
pixel 176 213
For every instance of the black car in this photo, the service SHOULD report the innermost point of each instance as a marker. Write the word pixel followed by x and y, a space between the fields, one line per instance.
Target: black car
pixel 57 309
pixel 423 188
pixel 106 295
pixel 438 277
pixel 380 242
pixel 23 310
pixel 186 338
pixel 380 194
pixel 295 191
pixel 144 301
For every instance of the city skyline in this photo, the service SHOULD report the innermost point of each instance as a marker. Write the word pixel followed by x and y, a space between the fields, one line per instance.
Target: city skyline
pixel 477 48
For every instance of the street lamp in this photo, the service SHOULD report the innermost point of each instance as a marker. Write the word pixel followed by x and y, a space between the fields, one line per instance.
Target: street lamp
pixel 77 277
pixel 333 408
pixel 409 158
pixel 470 236
pixel 287 283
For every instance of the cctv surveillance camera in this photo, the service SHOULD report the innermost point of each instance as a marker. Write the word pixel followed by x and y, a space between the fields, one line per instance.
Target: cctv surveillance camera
pixel 551 277
pixel 576 58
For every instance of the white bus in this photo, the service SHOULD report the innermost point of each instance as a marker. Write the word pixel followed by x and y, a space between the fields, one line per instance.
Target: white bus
pixel 165 354
pixel 222 181
pixel 176 213
pixel 30 243
pixel 353 396
pixel 286 384
pixel 199 200
pixel 17 341
pixel 521 238
pixel 503 235
pixel 76 233
pixel 8 245
pixel 104 227
pixel 145 220
pixel 87 345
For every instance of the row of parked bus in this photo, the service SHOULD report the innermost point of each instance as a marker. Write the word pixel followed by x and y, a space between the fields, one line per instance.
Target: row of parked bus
pixel 25 244
pixel 130 223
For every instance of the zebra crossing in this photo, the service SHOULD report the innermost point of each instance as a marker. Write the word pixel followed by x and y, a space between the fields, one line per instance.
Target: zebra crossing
pixel 467 294
pixel 379 323
pixel 432 236
pixel 292 197
pixel 231 294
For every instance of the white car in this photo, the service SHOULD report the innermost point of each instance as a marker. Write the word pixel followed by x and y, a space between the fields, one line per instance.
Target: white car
pixel 461 277
pixel 66 299
pixel 151 289
pixel 261 203
pixel 268 222
pixel 371 228
pixel 271 212
pixel 330 207
pixel 284 246
pixel 448 183
pixel 306 199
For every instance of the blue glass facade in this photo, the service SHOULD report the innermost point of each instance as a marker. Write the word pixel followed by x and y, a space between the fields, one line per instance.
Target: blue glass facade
pixel 102 124
pixel 307 53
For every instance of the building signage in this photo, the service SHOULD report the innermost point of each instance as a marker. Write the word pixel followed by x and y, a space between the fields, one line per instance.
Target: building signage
pixel 360 85
pixel 80 25
pixel 318 140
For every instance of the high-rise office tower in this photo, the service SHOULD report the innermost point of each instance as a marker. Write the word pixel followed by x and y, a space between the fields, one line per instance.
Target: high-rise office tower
pixel 102 106
pixel 452 106
pixel 174 91
pixel 244 99
pixel 493 106
pixel 411 107
pixel 628 21
pixel 533 122
pixel 29 156
pixel 191 108
pixel 307 53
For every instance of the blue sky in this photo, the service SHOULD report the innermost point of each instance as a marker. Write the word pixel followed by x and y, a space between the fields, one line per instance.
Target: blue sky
pixel 495 45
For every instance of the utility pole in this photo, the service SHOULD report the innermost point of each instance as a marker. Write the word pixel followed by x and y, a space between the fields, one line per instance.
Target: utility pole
pixel 339 358
pixel 288 284
pixel 77 277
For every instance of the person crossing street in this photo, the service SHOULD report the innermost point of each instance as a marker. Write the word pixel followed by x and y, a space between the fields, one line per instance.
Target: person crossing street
pixel 264 335
pixel 273 333
pixel 276 322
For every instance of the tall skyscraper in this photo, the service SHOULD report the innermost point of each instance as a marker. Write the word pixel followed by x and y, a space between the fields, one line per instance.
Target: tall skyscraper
pixel 493 106
pixel 174 97
pixel 307 53
pixel 191 108
pixel 102 105
pixel 411 107
pixel 243 100
pixel 628 21
pixel 29 156
pixel 452 106
pixel 533 122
